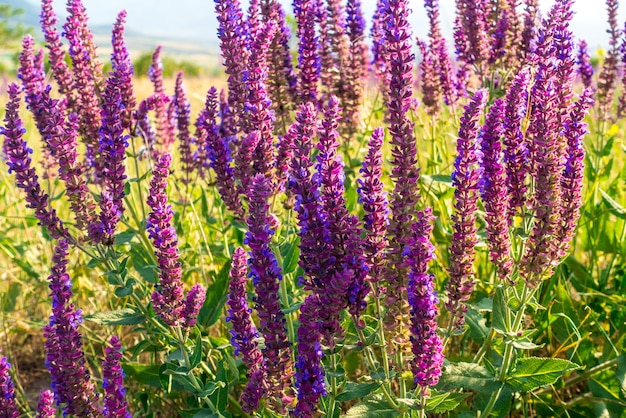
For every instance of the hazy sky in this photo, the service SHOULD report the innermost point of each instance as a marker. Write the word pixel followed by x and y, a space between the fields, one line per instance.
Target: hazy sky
pixel 195 18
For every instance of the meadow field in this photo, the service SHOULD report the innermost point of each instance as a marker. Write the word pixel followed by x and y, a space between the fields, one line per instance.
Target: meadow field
pixel 343 220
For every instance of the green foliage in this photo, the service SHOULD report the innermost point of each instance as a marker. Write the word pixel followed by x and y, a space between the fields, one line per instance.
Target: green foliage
pixel 171 66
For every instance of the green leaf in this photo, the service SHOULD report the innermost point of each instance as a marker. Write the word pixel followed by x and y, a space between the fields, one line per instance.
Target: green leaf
pixel 353 390
pixel 533 372
pixel 615 208
pixel 119 317
pixel 124 237
pixel 467 376
pixel 216 296
pixel 147 375
pixel 477 323
pixel 290 254
pixel 196 356
pixel 372 407
pixel 440 402
pixel 499 320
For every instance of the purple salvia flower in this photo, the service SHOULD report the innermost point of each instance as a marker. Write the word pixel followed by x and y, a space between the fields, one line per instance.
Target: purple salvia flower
pixel 244 334
pixel 374 200
pixel 494 192
pixel 531 14
pixel 465 179
pixel 284 153
pixel 313 226
pixel 144 127
pixel 61 137
pixel 123 67
pixel 242 169
pixel 309 370
pixel 259 115
pixel 585 69
pixel 115 404
pixel 165 134
pixel 167 298
pixel 45 405
pixel 253 21
pixel 234 48
pixel 515 149
pixel 8 406
pixel 218 153
pixel 425 342
pixel 87 80
pixel 193 303
pixel 430 83
pixel 608 72
pixel 380 54
pixel 573 173
pixel 19 162
pixel 309 61
pixel 282 82
pixel 356 68
pixel 73 389
pixel 471 38
pixel 334 49
pixel 113 144
pixel 405 173
pixel 345 283
pixel 439 50
pixel 499 41
pixel 183 117
pixel 266 276
pixel 59 67
pixel 565 61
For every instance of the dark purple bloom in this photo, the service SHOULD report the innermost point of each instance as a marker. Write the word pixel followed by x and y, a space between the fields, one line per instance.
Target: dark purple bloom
pixel 167 298
pixel 309 61
pixel 244 333
pixel 218 153
pixel 60 69
pixel 115 404
pixel 144 127
pixel 193 303
pixel 465 179
pixel 8 406
pixel 45 406
pixel 19 162
pixel 165 135
pixel 73 389
pixel 242 169
pixel 113 144
pixel 404 173
pixel 234 48
pixel 123 67
pixel 621 105
pixel 373 198
pixel 471 38
pixel 585 69
pixel 309 371
pixel 608 72
pixel 266 275
pixel 529 30
pixel 429 81
pixel 380 54
pixel 515 146
pixel 425 342
pixel 442 71
pixel 494 193
pixel 31 70
pixel 284 153
pixel 573 173
pixel 183 116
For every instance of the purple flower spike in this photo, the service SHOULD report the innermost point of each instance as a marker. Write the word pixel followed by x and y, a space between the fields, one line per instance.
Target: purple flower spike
pixel 45 406
pixel 193 303
pixel 8 406
pixel 123 67
pixel 374 200
pixel 165 135
pixel 242 169
pixel 60 69
pixel 113 144
pixel 244 334
pixel 608 72
pixel 183 116
pixel 585 69
pixel 430 86
pixel 529 30
pixel 19 162
pixel 515 146
pixel 494 192
pixel 167 298
pixel 309 61
pixel 115 404
pixel 31 71
pixel 465 179
pixel 621 105
pixel 73 389
pixel 573 173
pixel 470 31
pixel 266 276
pixel 234 48
pixel 425 342
pixel 309 371
pixel 380 53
